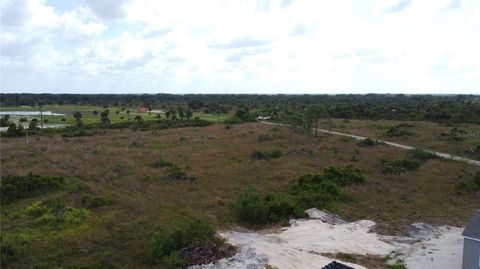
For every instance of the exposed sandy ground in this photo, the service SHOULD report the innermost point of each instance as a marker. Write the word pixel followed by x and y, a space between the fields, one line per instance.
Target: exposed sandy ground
pixel 301 245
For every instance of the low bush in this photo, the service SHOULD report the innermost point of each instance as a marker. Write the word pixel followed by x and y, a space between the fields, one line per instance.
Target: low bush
pixel 455 135
pixel 176 173
pixel 320 190
pixel 420 154
pixel 265 155
pixel 89 201
pixel 173 172
pixel 162 163
pixel 19 187
pixel 468 183
pixel 264 138
pixel 76 132
pixel 166 245
pixel 398 131
pixel 367 143
pixel 56 214
pixel 398 265
pixel 250 208
pixel 36 209
pixel 399 166
pixel 233 120
pixel 7 253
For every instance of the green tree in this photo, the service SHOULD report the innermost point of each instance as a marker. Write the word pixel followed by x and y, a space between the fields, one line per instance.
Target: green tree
pixel 95 113
pixel 195 104
pixel 4 121
pixel 189 114
pixel 78 119
pixel 139 119
pixel 181 113
pixel 105 119
pixel 33 126
pixel 314 113
pixel 14 130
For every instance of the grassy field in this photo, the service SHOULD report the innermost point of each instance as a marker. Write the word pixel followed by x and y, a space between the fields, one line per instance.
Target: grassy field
pixel 116 114
pixel 118 164
pixel 426 135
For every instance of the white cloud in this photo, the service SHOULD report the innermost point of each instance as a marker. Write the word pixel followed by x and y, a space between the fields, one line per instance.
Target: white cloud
pixel 241 46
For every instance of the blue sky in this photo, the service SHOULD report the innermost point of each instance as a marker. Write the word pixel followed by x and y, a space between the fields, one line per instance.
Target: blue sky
pixel 261 46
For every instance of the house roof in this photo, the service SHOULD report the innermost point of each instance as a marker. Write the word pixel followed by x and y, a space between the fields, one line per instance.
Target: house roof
pixel 336 265
pixel 473 227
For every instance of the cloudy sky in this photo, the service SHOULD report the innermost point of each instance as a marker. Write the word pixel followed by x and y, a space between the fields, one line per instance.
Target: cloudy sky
pixel 263 46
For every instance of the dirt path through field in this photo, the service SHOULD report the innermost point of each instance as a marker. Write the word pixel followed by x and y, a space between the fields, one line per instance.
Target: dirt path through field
pixel 439 154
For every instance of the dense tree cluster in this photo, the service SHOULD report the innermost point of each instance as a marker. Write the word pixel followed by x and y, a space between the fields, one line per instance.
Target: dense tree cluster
pixel 439 108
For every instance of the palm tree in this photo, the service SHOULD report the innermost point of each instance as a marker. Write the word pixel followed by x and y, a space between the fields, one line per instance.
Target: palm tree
pixel 78 119
pixel 314 113
pixel 105 119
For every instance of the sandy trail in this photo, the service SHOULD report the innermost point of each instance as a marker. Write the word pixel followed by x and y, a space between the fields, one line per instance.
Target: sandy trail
pixel 302 243
pixel 439 154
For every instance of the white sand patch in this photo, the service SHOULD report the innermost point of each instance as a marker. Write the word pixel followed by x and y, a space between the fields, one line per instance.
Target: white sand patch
pixel 441 249
pixel 301 245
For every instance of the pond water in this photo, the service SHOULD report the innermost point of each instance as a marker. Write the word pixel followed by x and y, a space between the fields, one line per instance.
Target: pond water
pixel 29 113
pixel 45 126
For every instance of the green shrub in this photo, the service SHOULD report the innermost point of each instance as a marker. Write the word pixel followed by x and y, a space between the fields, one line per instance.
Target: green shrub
pixel 469 183
pixel 165 245
pixel 320 190
pixel 162 163
pixel 7 253
pixel 234 120
pixel 343 177
pixel 367 143
pixel 250 208
pixel 276 153
pixel 420 154
pixel 56 214
pixel 398 131
pixel 76 132
pixel 455 135
pixel 398 265
pixel 176 173
pixel 265 155
pixel 399 166
pixel 282 206
pixel 90 201
pixel 19 187
pixel 73 216
pixel 36 209
pixel 174 261
pixel 264 138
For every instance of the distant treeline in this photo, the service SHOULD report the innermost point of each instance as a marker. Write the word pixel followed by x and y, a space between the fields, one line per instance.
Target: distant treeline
pixel 438 108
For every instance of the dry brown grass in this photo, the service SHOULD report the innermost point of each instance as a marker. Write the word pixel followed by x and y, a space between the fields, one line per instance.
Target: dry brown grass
pixel 426 134
pixel 118 163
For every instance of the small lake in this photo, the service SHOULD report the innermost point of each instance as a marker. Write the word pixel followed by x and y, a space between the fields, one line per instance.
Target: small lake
pixel 45 126
pixel 29 113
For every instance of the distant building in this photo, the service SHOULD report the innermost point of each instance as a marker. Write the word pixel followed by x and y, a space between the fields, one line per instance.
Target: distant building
pixel 263 118
pixel 336 265
pixel 142 110
pixel 471 243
